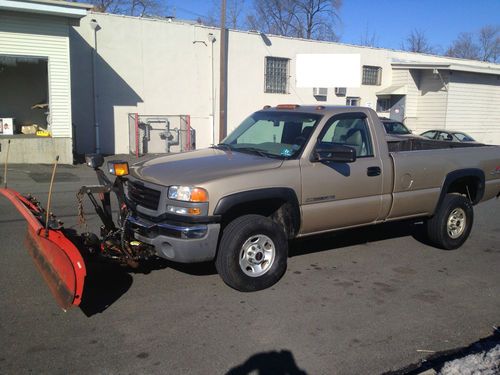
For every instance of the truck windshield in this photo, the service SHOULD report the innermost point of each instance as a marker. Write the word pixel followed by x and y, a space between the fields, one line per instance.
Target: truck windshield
pixel 272 134
pixel 393 127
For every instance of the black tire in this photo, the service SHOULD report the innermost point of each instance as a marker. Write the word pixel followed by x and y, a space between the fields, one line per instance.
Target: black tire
pixel 235 235
pixel 438 231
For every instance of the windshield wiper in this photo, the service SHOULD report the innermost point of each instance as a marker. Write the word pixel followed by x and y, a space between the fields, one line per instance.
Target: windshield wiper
pixel 255 150
pixel 223 146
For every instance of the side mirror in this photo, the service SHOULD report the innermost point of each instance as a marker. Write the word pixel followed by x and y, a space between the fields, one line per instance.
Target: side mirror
pixel 334 153
pixel 94 161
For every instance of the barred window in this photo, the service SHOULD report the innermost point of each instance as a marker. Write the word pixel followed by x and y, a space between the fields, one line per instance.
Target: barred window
pixel 276 79
pixel 372 75
pixel 384 104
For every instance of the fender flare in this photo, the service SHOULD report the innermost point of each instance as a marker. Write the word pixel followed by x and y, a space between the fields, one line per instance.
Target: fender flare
pixel 287 195
pixel 458 174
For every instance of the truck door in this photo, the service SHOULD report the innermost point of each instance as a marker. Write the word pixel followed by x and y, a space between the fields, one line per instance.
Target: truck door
pixel 336 195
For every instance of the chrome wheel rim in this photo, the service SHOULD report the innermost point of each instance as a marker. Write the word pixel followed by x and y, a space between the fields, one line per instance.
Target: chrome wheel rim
pixel 257 255
pixel 457 222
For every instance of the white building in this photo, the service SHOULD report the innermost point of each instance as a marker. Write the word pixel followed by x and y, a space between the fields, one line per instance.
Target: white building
pixel 151 66
pixel 165 67
pixel 35 84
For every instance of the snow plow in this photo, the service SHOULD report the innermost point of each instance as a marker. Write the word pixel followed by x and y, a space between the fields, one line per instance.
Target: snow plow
pixel 56 257
pixel 60 257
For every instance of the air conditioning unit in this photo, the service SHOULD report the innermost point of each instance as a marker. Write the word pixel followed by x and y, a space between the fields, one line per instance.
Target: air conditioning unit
pixel 320 91
pixel 340 91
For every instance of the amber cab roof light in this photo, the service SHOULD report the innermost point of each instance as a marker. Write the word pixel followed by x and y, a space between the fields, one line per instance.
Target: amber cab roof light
pixel 287 106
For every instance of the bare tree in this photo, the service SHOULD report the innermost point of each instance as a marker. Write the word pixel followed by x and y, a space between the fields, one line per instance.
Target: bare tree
pixel 234 14
pixel 273 17
pixel 368 38
pixel 319 16
pixel 138 8
pixel 417 41
pixel 310 19
pixel 464 47
pixel 489 43
pixel 109 6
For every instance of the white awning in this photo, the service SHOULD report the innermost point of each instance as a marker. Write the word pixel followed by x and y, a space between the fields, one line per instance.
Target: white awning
pixel 393 90
pixel 51 7
pixel 472 66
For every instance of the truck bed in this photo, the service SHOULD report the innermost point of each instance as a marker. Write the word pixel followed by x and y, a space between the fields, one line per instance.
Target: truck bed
pixel 417 144
pixel 420 176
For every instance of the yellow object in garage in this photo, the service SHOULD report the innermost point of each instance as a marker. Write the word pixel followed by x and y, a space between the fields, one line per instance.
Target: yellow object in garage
pixel 43 133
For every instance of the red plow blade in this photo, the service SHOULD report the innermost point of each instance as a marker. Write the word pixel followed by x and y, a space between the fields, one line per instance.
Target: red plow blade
pixel 55 256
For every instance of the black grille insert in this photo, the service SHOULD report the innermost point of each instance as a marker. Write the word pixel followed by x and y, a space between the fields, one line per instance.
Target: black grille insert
pixel 144 196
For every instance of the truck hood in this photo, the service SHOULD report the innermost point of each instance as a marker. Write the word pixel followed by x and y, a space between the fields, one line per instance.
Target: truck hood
pixel 197 167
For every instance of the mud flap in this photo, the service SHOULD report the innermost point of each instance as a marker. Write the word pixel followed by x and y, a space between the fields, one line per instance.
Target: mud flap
pixel 55 256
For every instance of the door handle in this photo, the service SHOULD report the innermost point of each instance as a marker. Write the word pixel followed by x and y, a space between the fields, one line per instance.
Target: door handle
pixel 373 171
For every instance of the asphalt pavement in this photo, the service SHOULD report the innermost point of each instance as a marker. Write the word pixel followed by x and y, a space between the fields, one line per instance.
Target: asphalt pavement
pixel 363 301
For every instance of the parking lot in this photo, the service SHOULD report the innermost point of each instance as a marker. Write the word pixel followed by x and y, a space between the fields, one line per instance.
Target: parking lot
pixel 362 301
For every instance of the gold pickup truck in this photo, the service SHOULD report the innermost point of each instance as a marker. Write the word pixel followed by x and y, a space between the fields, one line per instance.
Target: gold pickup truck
pixel 294 171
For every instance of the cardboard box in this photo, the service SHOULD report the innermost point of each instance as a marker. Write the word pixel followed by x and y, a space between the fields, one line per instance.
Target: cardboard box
pixel 7 125
pixel 29 129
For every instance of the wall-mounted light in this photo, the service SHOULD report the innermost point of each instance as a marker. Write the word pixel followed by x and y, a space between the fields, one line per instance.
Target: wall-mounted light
pixel 94 25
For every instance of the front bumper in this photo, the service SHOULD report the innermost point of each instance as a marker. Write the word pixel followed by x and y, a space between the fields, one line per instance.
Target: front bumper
pixel 183 243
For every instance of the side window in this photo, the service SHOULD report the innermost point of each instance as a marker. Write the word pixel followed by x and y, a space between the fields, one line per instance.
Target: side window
pixel 352 131
pixel 430 134
pixel 444 137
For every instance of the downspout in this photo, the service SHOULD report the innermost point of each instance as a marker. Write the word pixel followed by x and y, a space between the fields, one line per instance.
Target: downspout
pixel 95 26
pixel 211 38
pixel 223 74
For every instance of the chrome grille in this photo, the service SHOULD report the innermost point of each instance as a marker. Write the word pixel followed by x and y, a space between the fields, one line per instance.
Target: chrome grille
pixel 143 196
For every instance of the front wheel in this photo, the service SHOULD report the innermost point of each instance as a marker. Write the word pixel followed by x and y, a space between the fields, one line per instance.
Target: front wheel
pixel 450 227
pixel 252 254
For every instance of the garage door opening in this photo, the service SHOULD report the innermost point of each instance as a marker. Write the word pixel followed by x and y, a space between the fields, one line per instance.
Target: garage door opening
pixel 24 96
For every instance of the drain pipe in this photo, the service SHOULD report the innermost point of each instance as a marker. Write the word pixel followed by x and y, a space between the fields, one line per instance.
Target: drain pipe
pixel 95 26
pixel 211 39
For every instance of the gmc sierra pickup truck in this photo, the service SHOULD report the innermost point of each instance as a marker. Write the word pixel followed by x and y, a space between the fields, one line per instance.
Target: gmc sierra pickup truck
pixel 294 171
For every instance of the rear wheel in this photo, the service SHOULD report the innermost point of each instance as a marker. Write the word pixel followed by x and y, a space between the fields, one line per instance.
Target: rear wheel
pixel 252 253
pixel 450 227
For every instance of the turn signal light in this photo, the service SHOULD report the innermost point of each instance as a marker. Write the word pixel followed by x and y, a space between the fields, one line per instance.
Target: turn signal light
pixel 199 195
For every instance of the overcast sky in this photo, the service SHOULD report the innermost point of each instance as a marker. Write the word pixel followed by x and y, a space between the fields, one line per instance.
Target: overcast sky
pixel 391 20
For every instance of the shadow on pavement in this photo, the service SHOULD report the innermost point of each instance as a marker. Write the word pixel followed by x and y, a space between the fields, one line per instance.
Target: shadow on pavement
pixel 269 363
pixel 357 236
pixel 107 282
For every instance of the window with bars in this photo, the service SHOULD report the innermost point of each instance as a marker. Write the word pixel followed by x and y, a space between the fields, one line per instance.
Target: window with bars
pixel 384 104
pixel 276 79
pixel 372 75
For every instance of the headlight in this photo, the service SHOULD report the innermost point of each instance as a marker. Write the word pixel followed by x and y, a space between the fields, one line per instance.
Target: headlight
pixel 187 194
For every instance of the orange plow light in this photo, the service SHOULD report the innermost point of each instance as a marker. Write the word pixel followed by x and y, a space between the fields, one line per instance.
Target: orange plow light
pixel 118 168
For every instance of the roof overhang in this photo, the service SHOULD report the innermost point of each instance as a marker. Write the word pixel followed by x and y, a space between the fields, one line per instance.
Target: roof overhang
pixel 483 68
pixel 49 7
pixel 393 90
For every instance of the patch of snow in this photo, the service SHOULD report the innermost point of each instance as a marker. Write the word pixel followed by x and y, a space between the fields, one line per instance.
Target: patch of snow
pixel 483 363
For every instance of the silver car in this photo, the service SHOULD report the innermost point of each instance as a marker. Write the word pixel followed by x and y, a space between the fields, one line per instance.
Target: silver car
pixel 447 135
